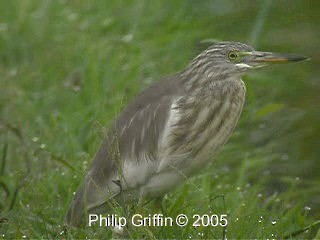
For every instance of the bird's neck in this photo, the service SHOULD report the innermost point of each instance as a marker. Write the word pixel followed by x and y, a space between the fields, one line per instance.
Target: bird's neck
pixel 207 85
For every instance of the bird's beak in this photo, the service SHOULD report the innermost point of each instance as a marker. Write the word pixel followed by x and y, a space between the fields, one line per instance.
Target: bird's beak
pixel 263 58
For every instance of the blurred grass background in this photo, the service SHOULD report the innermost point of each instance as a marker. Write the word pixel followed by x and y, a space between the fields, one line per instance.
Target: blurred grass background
pixel 67 68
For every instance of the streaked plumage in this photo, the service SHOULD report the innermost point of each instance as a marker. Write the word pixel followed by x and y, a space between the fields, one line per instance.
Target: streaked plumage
pixel 170 131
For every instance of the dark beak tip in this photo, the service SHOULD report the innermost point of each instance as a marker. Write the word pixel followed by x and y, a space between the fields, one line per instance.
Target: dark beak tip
pixel 299 58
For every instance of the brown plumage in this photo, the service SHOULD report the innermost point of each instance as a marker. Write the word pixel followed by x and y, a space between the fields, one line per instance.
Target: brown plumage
pixel 170 130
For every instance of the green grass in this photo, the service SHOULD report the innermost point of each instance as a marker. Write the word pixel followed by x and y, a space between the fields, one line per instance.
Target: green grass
pixel 67 68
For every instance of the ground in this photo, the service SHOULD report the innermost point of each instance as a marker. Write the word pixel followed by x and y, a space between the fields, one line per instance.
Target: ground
pixel 67 68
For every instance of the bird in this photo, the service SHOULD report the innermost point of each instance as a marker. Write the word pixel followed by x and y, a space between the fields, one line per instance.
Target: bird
pixel 171 130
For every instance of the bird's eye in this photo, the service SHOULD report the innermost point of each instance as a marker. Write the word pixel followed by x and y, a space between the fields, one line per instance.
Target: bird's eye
pixel 232 55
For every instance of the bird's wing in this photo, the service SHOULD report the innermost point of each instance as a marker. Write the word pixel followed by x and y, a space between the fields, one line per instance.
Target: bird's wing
pixel 143 131
pixel 129 149
pixel 137 131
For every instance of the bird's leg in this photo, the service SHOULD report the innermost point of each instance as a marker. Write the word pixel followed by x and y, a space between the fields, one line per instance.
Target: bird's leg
pixel 141 199
pixel 121 195
pixel 118 183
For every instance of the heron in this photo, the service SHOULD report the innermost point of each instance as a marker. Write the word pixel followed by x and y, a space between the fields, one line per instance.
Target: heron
pixel 171 130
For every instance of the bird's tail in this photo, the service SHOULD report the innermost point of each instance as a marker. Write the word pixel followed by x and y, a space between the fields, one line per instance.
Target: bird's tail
pixel 92 197
pixel 96 194
pixel 76 211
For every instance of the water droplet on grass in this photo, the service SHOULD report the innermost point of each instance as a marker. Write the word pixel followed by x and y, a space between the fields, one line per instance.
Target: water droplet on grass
pixel 118 230
pixel 261 218
pixel 127 38
pixel 42 146
pixel 35 139
pixel 259 195
pixel 307 208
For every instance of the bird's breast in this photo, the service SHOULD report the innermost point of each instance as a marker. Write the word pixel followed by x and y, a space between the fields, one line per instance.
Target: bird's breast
pixel 206 122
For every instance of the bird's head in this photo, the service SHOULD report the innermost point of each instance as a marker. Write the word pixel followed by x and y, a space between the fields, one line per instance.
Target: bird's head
pixel 234 58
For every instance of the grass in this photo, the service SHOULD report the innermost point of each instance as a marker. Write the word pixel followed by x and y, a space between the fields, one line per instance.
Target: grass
pixel 67 68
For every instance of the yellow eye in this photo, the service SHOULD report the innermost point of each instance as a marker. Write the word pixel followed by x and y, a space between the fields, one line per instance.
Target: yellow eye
pixel 232 55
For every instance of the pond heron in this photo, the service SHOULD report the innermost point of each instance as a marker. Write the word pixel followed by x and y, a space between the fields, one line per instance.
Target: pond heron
pixel 171 130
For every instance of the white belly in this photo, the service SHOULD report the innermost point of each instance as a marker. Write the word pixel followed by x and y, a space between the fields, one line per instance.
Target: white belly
pixel 144 179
